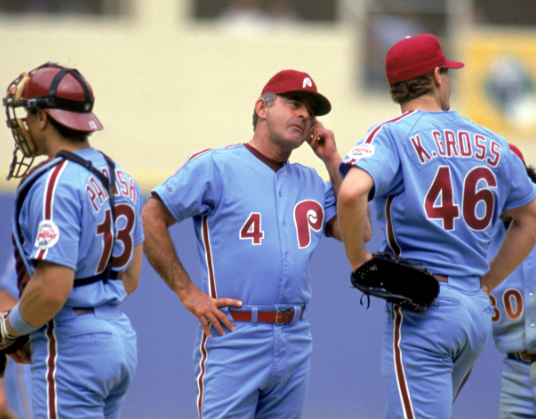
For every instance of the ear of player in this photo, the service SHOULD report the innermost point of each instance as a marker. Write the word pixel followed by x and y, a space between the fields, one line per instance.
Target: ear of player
pixel 397 280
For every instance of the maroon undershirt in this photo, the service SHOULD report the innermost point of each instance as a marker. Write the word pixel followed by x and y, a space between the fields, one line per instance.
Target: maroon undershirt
pixel 274 165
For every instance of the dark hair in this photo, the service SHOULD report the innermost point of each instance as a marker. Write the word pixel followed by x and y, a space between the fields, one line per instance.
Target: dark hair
pixel 65 132
pixel 414 88
pixel 531 172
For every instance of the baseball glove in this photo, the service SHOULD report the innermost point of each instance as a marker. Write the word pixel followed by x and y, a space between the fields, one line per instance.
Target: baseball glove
pixel 8 344
pixel 399 281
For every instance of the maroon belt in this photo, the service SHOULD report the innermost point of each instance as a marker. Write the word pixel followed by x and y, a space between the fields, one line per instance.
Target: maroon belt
pixel 78 311
pixel 523 356
pixel 441 278
pixel 277 317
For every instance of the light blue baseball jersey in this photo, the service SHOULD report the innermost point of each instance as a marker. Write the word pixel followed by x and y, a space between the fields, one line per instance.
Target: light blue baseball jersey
pixel 514 320
pixel 440 183
pixel 66 219
pixel 514 330
pixel 257 225
pixel 256 229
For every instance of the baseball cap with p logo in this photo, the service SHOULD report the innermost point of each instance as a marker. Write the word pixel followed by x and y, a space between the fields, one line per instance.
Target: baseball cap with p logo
pixel 415 56
pixel 288 81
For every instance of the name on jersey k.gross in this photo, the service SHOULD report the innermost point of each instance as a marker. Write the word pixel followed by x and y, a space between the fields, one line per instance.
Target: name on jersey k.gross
pixel 455 144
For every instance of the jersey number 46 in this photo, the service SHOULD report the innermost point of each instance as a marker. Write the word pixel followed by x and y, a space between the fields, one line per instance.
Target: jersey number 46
pixel 448 210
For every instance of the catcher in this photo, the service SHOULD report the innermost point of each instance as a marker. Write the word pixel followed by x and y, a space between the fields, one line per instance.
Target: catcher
pixel 79 239
pixel 439 183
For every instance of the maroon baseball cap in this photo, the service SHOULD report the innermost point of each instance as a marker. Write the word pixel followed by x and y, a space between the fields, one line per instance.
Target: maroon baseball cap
pixel 288 81
pixel 414 57
pixel 64 95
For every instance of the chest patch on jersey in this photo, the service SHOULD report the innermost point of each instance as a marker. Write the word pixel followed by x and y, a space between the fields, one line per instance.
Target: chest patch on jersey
pixel 48 234
pixel 359 152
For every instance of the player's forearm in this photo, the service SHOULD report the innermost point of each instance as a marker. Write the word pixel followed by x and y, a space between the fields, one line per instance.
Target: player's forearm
pixel 516 246
pixel 131 276
pixel 352 219
pixel 332 167
pixel 45 294
pixel 160 252
pixel 352 216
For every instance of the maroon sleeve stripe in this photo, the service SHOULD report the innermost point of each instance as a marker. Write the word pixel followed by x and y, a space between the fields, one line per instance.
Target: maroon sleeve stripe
pixel 373 133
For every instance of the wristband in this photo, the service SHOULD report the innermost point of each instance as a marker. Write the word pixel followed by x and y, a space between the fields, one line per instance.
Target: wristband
pixel 18 324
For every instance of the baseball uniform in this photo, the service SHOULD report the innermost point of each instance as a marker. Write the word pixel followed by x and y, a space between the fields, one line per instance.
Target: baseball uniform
pixel 84 359
pixel 514 332
pixel 257 224
pixel 440 184
pixel 17 378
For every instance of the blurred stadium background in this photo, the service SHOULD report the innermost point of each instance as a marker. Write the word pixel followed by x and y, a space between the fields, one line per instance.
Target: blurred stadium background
pixel 173 76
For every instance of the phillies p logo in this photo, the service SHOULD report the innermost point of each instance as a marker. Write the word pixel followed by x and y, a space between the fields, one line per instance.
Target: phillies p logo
pixel 308 215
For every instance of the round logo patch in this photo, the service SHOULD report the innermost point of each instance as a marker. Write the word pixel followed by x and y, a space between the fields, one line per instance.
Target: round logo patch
pixel 360 151
pixel 47 235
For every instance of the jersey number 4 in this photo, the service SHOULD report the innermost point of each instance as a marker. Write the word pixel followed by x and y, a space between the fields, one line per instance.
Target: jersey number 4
pixel 124 236
pixel 448 210
pixel 308 215
pixel 251 230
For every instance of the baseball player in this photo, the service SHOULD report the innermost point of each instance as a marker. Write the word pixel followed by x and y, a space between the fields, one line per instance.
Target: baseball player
pixel 78 233
pixel 513 326
pixel 439 183
pixel 258 218
pixel 16 383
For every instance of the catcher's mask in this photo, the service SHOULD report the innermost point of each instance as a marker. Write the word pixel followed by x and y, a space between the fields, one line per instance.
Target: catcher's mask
pixel 62 93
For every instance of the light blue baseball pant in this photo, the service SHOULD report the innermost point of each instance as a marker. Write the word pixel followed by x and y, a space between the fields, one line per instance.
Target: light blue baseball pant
pixel 425 356
pixel 518 390
pixel 258 371
pixel 82 365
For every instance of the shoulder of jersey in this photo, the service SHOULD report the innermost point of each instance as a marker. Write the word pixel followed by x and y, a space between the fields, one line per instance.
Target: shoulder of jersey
pixel 474 124
pixel 398 122
pixel 204 153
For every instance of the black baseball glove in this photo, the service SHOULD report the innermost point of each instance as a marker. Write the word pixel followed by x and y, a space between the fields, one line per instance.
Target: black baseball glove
pixel 397 280
pixel 8 344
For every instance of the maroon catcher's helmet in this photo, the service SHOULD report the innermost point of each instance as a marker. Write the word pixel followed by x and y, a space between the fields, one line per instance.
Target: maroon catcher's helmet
pixel 62 93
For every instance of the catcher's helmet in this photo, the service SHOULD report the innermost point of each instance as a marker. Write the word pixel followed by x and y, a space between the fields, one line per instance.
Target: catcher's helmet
pixel 62 93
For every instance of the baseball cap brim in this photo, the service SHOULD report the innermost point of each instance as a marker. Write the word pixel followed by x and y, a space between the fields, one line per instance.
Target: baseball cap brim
pixel 79 121
pixel 453 64
pixel 323 106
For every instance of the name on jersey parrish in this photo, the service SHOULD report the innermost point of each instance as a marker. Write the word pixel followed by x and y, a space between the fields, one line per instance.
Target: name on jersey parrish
pixel 97 194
